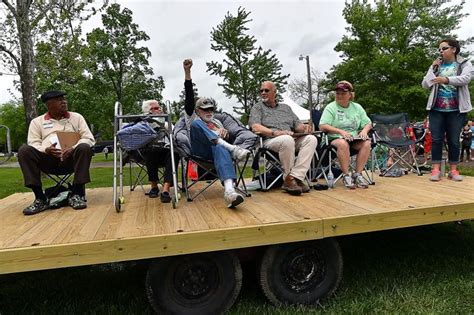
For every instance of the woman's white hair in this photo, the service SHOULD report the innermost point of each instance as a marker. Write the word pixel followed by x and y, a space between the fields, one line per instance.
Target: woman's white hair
pixel 147 104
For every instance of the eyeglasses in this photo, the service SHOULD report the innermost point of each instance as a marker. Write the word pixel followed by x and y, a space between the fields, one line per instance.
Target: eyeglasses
pixel 155 108
pixel 444 48
pixel 264 90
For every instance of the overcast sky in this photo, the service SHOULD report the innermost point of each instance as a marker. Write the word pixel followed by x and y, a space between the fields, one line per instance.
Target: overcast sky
pixel 181 29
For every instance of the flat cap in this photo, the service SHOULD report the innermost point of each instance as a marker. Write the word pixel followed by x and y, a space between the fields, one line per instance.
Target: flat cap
pixel 51 94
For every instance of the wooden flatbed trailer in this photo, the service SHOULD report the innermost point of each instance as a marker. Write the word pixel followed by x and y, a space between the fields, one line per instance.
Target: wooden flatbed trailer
pixel 195 245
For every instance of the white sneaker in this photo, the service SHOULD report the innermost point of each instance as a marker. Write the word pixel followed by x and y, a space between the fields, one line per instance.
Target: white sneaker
pixel 240 154
pixel 233 199
pixel 348 181
pixel 360 181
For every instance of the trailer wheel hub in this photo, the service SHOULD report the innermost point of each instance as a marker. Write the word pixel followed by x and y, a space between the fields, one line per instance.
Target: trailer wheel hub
pixel 303 269
pixel 195 280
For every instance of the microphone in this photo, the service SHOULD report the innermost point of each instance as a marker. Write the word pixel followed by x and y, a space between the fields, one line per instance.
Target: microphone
pixel 436 67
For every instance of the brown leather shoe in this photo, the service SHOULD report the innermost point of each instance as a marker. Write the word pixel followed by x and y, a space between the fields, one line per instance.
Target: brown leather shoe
pixel 304 187
pixel 291 187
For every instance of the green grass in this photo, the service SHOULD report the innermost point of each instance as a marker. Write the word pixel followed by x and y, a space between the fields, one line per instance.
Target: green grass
pixel 415 270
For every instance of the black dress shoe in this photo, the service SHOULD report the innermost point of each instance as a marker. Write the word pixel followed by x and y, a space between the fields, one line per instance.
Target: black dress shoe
pixel 165 197
pixel 37 206
pixel 153 193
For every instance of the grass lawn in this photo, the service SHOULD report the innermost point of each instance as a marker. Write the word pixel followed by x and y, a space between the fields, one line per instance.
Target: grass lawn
pixel 426 269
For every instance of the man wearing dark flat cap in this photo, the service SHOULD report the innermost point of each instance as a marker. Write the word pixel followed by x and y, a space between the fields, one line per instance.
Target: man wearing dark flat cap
pixel 42 152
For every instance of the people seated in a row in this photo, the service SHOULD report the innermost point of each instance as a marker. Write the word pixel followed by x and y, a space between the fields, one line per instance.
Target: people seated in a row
pixel 207 138
pixel 42 153
pixel 347 126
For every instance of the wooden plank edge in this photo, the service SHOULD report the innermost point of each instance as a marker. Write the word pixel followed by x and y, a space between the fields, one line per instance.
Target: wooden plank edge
pixel 396 219
pixel 107 251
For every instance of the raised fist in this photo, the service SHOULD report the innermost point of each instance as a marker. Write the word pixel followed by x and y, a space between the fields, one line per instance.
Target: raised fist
pixel 187 64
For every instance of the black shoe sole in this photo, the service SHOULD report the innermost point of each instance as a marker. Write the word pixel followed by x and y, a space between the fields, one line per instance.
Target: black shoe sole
pixel 79 208
pixel 36 212
pixel 236 202
pixel 293 192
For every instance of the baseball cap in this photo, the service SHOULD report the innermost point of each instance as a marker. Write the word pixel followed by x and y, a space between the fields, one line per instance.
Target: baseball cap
pixel 51 94
pixel 205 102
pixel 343 86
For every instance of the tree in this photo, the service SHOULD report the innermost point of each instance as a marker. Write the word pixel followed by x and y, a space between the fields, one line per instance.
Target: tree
pixel 298 88
pixel 12 115
pixel 388 50
pixel 244 67
pixel 23 24
pixel 18 48
pixel 118 67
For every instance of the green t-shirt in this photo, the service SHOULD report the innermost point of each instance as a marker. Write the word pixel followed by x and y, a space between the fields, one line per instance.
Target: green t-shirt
pixel 351 119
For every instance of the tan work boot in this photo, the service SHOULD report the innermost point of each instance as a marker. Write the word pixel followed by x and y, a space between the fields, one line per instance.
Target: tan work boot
pixel 291 187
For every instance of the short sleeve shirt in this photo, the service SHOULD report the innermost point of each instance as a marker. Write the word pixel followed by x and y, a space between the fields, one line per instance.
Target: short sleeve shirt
pixel 351 119
pixel 280 117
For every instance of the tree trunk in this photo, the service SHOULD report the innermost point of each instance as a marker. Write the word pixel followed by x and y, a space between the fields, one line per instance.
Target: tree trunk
pixel 27 66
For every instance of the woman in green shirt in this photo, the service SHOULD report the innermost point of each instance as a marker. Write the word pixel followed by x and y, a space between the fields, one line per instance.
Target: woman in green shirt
pixel 347 125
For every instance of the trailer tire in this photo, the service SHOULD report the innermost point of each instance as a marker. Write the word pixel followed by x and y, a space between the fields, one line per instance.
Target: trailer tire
pixel 205 283
pixel 301 273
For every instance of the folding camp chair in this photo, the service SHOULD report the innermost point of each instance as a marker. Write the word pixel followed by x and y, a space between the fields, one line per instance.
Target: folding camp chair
pixel 205 168
pixel 133 144
pixel 324 164
pixel 391 132
pixel 266 168
pixel 61 179
pixel 137 169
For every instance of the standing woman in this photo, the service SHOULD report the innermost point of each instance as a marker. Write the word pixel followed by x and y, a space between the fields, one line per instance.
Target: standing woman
pixel 449 101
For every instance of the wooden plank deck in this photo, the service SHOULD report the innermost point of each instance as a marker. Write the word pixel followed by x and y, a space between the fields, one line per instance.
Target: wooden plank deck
pixel 146 228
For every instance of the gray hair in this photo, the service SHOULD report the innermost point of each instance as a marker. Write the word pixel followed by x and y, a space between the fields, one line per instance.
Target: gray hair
pixel 147 104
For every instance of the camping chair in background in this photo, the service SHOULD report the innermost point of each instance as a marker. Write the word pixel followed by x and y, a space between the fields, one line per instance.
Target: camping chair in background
pixel 132 140
pixel 391 132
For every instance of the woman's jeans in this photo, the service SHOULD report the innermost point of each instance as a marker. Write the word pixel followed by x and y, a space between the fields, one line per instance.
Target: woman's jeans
pixel 203 146
pixel 449 124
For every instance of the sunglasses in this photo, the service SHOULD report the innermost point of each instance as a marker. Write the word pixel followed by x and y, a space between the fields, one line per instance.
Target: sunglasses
pixel 155 108
pixel 264 90
pixel 444 48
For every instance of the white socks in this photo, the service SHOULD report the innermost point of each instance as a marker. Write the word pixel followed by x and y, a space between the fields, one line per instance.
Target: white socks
pixel 226 144
pixel 229 185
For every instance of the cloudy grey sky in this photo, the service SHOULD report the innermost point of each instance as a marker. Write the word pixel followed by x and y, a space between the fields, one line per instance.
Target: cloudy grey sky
pixel 181 29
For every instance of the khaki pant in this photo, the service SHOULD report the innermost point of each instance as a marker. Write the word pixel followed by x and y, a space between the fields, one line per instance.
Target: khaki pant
pixel 286 147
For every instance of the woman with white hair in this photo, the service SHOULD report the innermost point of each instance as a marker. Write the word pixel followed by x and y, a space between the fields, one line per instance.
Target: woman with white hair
pixel 347 125
pixel 157 156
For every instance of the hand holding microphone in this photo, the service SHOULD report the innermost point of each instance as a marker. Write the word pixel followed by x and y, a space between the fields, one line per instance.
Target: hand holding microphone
pixel 436 63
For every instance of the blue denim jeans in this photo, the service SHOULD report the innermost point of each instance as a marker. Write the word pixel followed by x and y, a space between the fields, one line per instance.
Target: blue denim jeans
pixel 447 124
pixel 203 145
